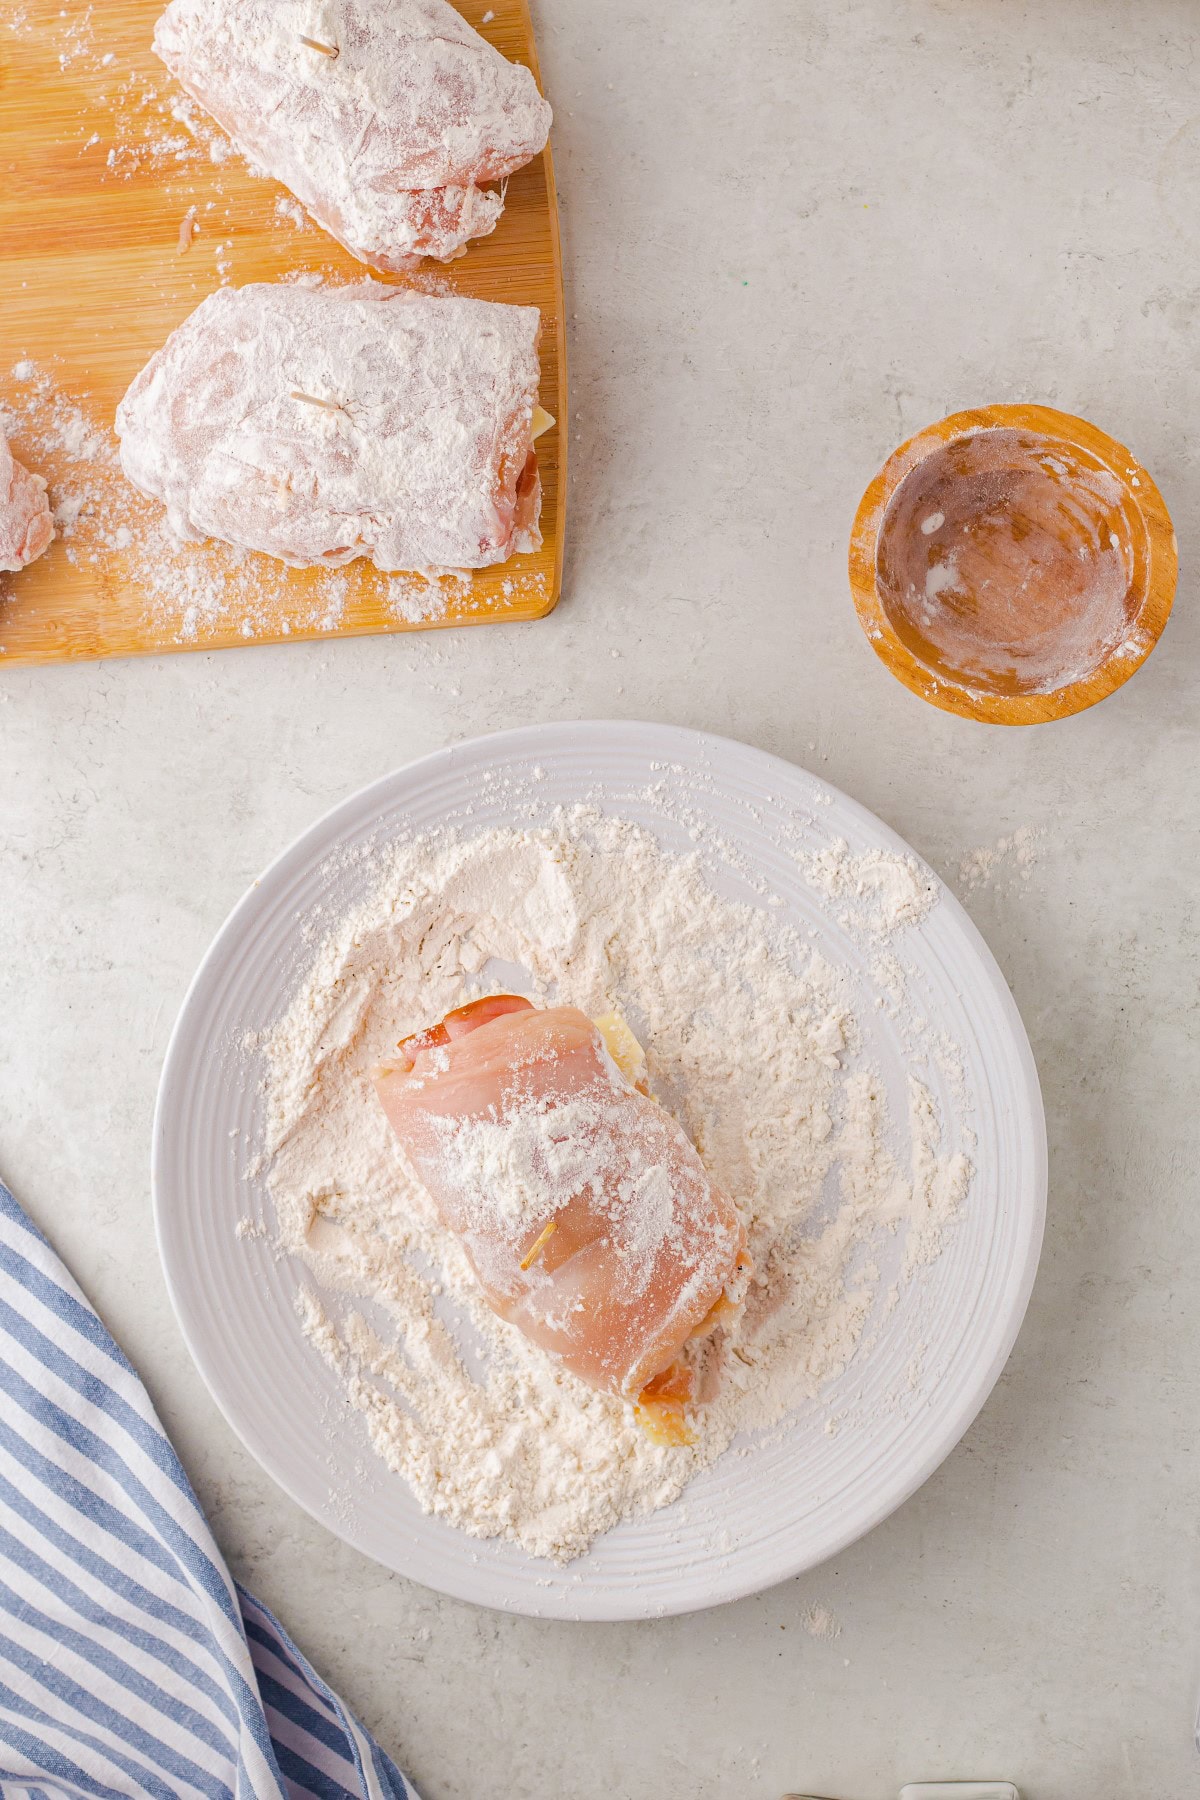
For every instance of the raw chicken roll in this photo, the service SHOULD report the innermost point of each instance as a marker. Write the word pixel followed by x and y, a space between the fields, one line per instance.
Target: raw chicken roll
pixel 588 1217
pixel 324 424
pixel 382 116
pixel 26 527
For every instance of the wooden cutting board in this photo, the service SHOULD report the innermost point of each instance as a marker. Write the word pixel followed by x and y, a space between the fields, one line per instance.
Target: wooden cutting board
pixel 96 180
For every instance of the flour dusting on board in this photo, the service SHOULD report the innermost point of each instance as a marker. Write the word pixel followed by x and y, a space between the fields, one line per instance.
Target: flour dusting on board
pixel 752 1042
pixel 190 590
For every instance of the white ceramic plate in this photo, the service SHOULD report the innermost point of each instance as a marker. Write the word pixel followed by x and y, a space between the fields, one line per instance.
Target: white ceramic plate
pixel 750 1520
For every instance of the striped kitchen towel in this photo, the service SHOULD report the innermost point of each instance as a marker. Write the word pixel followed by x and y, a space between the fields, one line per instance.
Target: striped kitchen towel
pixel 130 1662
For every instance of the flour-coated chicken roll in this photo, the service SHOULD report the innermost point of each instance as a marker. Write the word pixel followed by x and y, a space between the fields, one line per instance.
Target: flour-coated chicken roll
pixel 587 1215
pixel 323 424
pixel 26 525
pixel 382 116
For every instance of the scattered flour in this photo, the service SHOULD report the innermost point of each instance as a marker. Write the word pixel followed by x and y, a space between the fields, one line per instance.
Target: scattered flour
pixel 819 1622
pixel 118 88
pixel 751 1043
pixel 292 212
pixel 1007 863
pixel 883 891
pixel 78 40
pixel 417 600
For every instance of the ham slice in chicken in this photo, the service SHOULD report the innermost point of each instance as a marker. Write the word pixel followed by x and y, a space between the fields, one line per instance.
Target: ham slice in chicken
pixel 587 1215
pixel 382 116
pixel 26 527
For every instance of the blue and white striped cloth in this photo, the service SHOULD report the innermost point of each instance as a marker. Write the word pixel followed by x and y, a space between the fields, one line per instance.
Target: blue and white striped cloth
pixel 130 1662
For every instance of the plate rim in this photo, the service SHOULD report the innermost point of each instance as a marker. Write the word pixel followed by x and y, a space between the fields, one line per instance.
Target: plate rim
pixel 622 1606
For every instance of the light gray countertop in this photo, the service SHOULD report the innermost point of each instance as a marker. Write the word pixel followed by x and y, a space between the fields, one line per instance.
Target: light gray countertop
pixel 795 233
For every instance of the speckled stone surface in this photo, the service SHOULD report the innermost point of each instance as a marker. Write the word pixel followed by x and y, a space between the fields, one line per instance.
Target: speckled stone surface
pixel 795 232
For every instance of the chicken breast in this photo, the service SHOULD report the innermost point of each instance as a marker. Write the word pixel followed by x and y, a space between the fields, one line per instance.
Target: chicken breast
pixel 383 117
pixel 26 527
pixel 324 424
pixel 587 1215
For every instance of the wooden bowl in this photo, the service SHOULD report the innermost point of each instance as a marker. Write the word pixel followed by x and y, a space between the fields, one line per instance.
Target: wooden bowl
pixel 1013 564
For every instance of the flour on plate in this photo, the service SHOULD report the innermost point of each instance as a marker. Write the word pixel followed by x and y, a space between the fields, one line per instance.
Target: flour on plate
pixel 884 891
pixel 752 1043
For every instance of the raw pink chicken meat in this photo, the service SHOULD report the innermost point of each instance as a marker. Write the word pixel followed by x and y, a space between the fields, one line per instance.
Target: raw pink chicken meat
pixel 324 424
pixel 26 527
pixel 588 1217
pixel 383 117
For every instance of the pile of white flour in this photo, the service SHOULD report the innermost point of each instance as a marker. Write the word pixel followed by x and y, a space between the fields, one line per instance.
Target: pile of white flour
pixel 752 1044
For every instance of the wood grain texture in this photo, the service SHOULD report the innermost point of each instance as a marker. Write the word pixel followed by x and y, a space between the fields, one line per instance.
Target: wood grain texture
pixel 1139 514
pixel 96 178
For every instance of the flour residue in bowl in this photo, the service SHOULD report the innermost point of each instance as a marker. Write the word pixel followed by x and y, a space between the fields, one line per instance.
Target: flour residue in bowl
pixel 1009 561
pixel 751 1041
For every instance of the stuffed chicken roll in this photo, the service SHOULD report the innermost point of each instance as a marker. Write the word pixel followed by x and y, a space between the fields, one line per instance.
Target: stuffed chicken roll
pixel 26 525
pixel 324 424
pixel 586 1213
pixel 384 117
